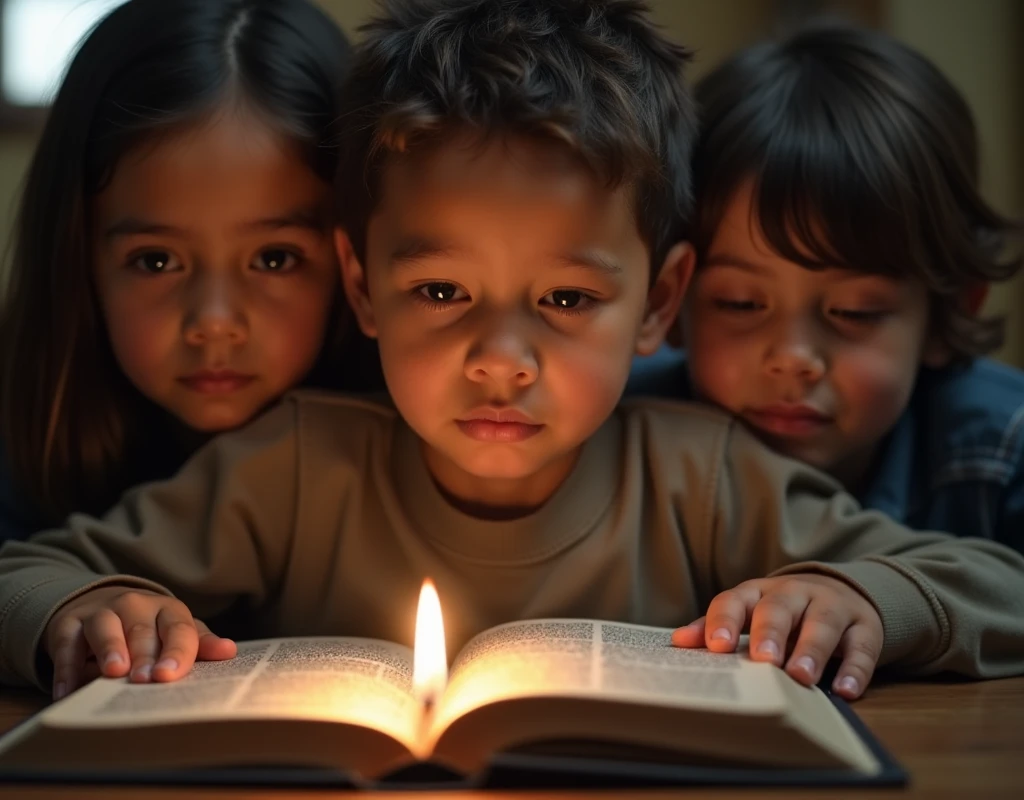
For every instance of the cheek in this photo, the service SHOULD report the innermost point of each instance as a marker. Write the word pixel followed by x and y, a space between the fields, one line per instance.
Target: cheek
pixel 719 364
pixel 585 382
pixel 875 385
pixel 291 328
pixel 420 362
pixel 142 335
pixel 585 372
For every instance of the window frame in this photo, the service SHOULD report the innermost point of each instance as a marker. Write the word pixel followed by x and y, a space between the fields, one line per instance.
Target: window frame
pixel 17 118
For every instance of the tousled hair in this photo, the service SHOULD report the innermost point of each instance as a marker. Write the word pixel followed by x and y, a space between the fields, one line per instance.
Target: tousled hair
pixel 73 426
pixel 594 75
pixel 861 155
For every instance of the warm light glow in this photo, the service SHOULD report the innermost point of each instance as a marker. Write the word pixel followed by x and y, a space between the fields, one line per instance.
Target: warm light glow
pixel 430 662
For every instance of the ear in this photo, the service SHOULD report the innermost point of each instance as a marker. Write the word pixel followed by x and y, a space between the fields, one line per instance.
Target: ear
pixel 975 298
pixel 936 353
pixel 353 278
pixel 665 297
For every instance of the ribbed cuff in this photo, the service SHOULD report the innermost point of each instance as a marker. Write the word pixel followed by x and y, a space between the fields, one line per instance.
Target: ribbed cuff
pixel 914 625
pixel 25 624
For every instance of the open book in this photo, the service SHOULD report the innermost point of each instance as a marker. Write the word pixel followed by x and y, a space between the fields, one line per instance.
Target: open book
pixel 347 704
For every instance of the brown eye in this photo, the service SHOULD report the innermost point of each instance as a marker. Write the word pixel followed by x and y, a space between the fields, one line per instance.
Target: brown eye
pixel 275 260
pixel 441 292
pixel 155 262
pixel 566 299
pixel 569 302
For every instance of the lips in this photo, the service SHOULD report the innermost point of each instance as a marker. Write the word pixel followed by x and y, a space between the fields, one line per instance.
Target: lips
pixel 216 382
pixel 788 420
pixel 491 424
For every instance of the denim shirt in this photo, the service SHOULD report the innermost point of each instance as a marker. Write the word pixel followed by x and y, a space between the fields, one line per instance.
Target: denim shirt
pixel 953 462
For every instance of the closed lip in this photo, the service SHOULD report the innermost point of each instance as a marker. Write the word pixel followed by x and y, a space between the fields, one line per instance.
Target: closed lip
pixel 788 420
pixel 496 414
pixel 498 425
pixel 216 381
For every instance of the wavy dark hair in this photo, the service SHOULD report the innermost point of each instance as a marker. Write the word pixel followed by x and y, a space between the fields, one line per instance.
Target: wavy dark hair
pixel 596 75
pixel 862 155
pixel 71 422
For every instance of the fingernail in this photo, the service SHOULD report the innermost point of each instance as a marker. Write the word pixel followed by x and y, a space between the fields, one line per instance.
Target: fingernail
pixel 721 635
pixel 60 690
pixel 112 659
pixel 806 663
pixel 847 684
pixel 142 673
pixel 168 663
pixel 768 648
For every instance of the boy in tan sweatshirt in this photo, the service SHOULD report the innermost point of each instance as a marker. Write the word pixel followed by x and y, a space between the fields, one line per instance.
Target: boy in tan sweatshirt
pixel 513 187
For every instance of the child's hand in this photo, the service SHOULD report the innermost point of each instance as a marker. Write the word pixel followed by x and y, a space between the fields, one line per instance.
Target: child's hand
pixel 822 615
pixel 150 635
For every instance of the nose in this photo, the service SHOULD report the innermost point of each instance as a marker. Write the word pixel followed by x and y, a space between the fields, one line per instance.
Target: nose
pixel 502 355
pixel 795 352
pixel 215 310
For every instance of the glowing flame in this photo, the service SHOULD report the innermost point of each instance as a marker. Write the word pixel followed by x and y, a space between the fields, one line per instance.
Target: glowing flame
pixel 430 662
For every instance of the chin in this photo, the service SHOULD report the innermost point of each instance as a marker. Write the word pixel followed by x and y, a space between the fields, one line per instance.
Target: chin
pixel 498 466
pixel 217 423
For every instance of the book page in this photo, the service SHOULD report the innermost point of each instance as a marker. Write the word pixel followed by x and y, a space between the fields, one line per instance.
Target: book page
pixel 615 661
pixel 359 681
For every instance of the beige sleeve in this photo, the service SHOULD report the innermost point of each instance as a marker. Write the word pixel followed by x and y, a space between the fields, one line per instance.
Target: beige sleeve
pixel 213 534
pixel 945 603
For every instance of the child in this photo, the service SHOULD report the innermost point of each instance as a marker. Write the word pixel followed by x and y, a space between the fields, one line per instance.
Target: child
pixel 173 270
pixel 495 249
pixel 843 252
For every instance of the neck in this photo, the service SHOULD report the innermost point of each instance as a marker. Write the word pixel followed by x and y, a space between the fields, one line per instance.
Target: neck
pixel 497 498
pixel 170 434
pixel 854 471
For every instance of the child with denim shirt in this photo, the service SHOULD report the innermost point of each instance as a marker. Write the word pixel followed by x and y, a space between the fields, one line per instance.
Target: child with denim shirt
pixel 843 253
pixel 513 185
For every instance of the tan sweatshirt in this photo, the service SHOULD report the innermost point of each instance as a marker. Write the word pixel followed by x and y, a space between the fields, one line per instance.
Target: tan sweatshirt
pixel 321 518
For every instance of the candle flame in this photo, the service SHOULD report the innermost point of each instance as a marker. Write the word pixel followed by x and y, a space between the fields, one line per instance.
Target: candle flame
pixel 430 661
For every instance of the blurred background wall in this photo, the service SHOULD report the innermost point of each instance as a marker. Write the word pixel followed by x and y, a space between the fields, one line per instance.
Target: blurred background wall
pixel 979 44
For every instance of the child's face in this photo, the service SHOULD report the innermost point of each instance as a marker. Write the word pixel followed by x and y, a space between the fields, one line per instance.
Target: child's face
pixel 508 289
pixel 215 269
pixel 821 363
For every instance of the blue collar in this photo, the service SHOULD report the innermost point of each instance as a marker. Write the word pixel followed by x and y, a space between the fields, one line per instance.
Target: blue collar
pixel 892 490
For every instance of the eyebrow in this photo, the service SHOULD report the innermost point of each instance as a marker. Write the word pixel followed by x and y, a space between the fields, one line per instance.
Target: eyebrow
pixel 419 248
pixel 730 260
pixel 312 219
pixel 597 262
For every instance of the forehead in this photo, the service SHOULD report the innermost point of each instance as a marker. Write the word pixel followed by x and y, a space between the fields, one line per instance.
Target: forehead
pixel 739 230
pixel 534 190
pixel 223 170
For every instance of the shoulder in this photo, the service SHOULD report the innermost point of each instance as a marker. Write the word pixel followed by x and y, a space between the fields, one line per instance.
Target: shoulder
pixel 974 418
pixel 670 429
pixel 315 424
pixel 984 390
pixel 316 403
pixel 335 422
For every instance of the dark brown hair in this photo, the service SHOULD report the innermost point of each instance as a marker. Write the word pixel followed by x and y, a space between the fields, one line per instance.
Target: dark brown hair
pixel 71 421
pixel 862 155
pixel 596 75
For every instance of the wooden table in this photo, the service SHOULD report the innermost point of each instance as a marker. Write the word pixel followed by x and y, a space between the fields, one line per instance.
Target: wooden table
pixel 962 741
